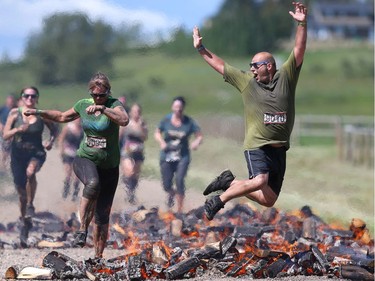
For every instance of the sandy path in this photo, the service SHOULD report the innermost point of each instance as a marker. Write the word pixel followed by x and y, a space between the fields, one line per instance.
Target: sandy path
pixel 50 182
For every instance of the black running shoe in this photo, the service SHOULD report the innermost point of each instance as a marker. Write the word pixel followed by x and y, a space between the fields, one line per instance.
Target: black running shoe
pixel 30 211
pixel 26 225
pixel 79 239
pixel 222 182
pixel 212 206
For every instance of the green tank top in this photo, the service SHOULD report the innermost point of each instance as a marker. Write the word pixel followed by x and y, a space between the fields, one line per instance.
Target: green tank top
pixel 269 109
pixel 100 143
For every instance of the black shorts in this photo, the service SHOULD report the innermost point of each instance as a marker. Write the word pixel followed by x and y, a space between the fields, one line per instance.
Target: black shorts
pixel 267 159
pixel 20 160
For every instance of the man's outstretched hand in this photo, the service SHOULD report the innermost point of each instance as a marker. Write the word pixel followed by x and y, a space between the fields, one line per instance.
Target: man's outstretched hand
pixel 300 12
pixel 197 39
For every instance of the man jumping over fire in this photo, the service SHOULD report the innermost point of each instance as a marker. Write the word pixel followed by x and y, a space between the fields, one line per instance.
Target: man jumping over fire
pixel 268 96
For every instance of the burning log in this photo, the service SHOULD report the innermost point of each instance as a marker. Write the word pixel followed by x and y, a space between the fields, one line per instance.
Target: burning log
pixel 28 272
pixel 247 231
pixel 179 269
pixel 228 243
pixel 240 265
pixel 212 250
pixel 350 255
pixel 257 269
pixel 322 260
pixel 135 268
pixel 275 268
pixel 65 267
pixel 159 254
pixel 353 272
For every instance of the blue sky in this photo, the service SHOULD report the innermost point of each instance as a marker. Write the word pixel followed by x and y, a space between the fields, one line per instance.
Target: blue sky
pixel 18 18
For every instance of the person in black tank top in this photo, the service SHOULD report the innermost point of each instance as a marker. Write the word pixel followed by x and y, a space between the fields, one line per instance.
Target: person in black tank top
pixel 28 153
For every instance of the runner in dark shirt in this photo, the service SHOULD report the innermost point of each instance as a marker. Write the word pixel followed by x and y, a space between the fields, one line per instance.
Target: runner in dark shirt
pixel 28 153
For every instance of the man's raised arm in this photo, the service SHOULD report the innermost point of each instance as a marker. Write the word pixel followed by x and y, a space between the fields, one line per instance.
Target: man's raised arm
pixel 300 15
pixel 214 61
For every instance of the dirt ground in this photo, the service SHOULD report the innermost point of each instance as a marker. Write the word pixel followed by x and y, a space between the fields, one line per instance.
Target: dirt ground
pixel 50 183
pixel 48 198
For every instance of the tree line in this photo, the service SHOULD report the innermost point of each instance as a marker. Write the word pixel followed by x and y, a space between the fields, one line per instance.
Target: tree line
pixel 70 47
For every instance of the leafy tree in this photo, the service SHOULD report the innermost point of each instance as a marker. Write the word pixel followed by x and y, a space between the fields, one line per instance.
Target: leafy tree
pixel 242 27
pixel 70 48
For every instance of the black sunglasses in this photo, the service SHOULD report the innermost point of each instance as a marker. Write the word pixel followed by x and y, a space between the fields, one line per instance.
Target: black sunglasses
pixel 258 64
pixel 26 96
pixel 98 95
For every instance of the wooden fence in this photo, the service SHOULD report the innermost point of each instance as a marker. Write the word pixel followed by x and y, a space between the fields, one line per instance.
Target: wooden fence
pixel 353 135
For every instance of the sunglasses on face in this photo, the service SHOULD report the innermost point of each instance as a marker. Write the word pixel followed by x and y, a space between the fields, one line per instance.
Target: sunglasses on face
pixel 258 64
pixel 98 95
pixel 101 95
pixel 26 96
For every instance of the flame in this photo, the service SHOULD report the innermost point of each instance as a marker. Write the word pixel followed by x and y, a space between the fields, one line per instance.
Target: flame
pixel 167 216
pixel 131 243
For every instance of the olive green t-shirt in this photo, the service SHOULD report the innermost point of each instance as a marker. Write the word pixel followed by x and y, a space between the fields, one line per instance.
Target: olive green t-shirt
pixel 102 128
pixel 269 109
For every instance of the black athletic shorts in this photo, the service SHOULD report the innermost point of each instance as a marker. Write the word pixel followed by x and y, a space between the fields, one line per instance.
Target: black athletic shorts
pixel 267 159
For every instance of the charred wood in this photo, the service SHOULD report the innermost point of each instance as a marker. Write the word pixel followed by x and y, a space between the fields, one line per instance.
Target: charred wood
pixel 135 268
pixel 64 266
pixel 209 251
pixel 275 268
pixel 179 269
pixel 257 269
pixel 322 260
pixel 247 231
pixel 240 265
pixel 353 272
pixel 176 255
pixel 228 243
pixel 338 233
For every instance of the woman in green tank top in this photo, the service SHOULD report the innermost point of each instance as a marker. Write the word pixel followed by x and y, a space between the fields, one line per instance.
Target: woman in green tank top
pixel 98 157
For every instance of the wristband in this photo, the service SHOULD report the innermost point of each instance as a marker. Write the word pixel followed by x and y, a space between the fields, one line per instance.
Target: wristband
pixel 201 48
pixel 38 112
pixel 302 23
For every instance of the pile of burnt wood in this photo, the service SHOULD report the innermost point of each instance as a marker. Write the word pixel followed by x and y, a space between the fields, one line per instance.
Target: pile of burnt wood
pixel 239 242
